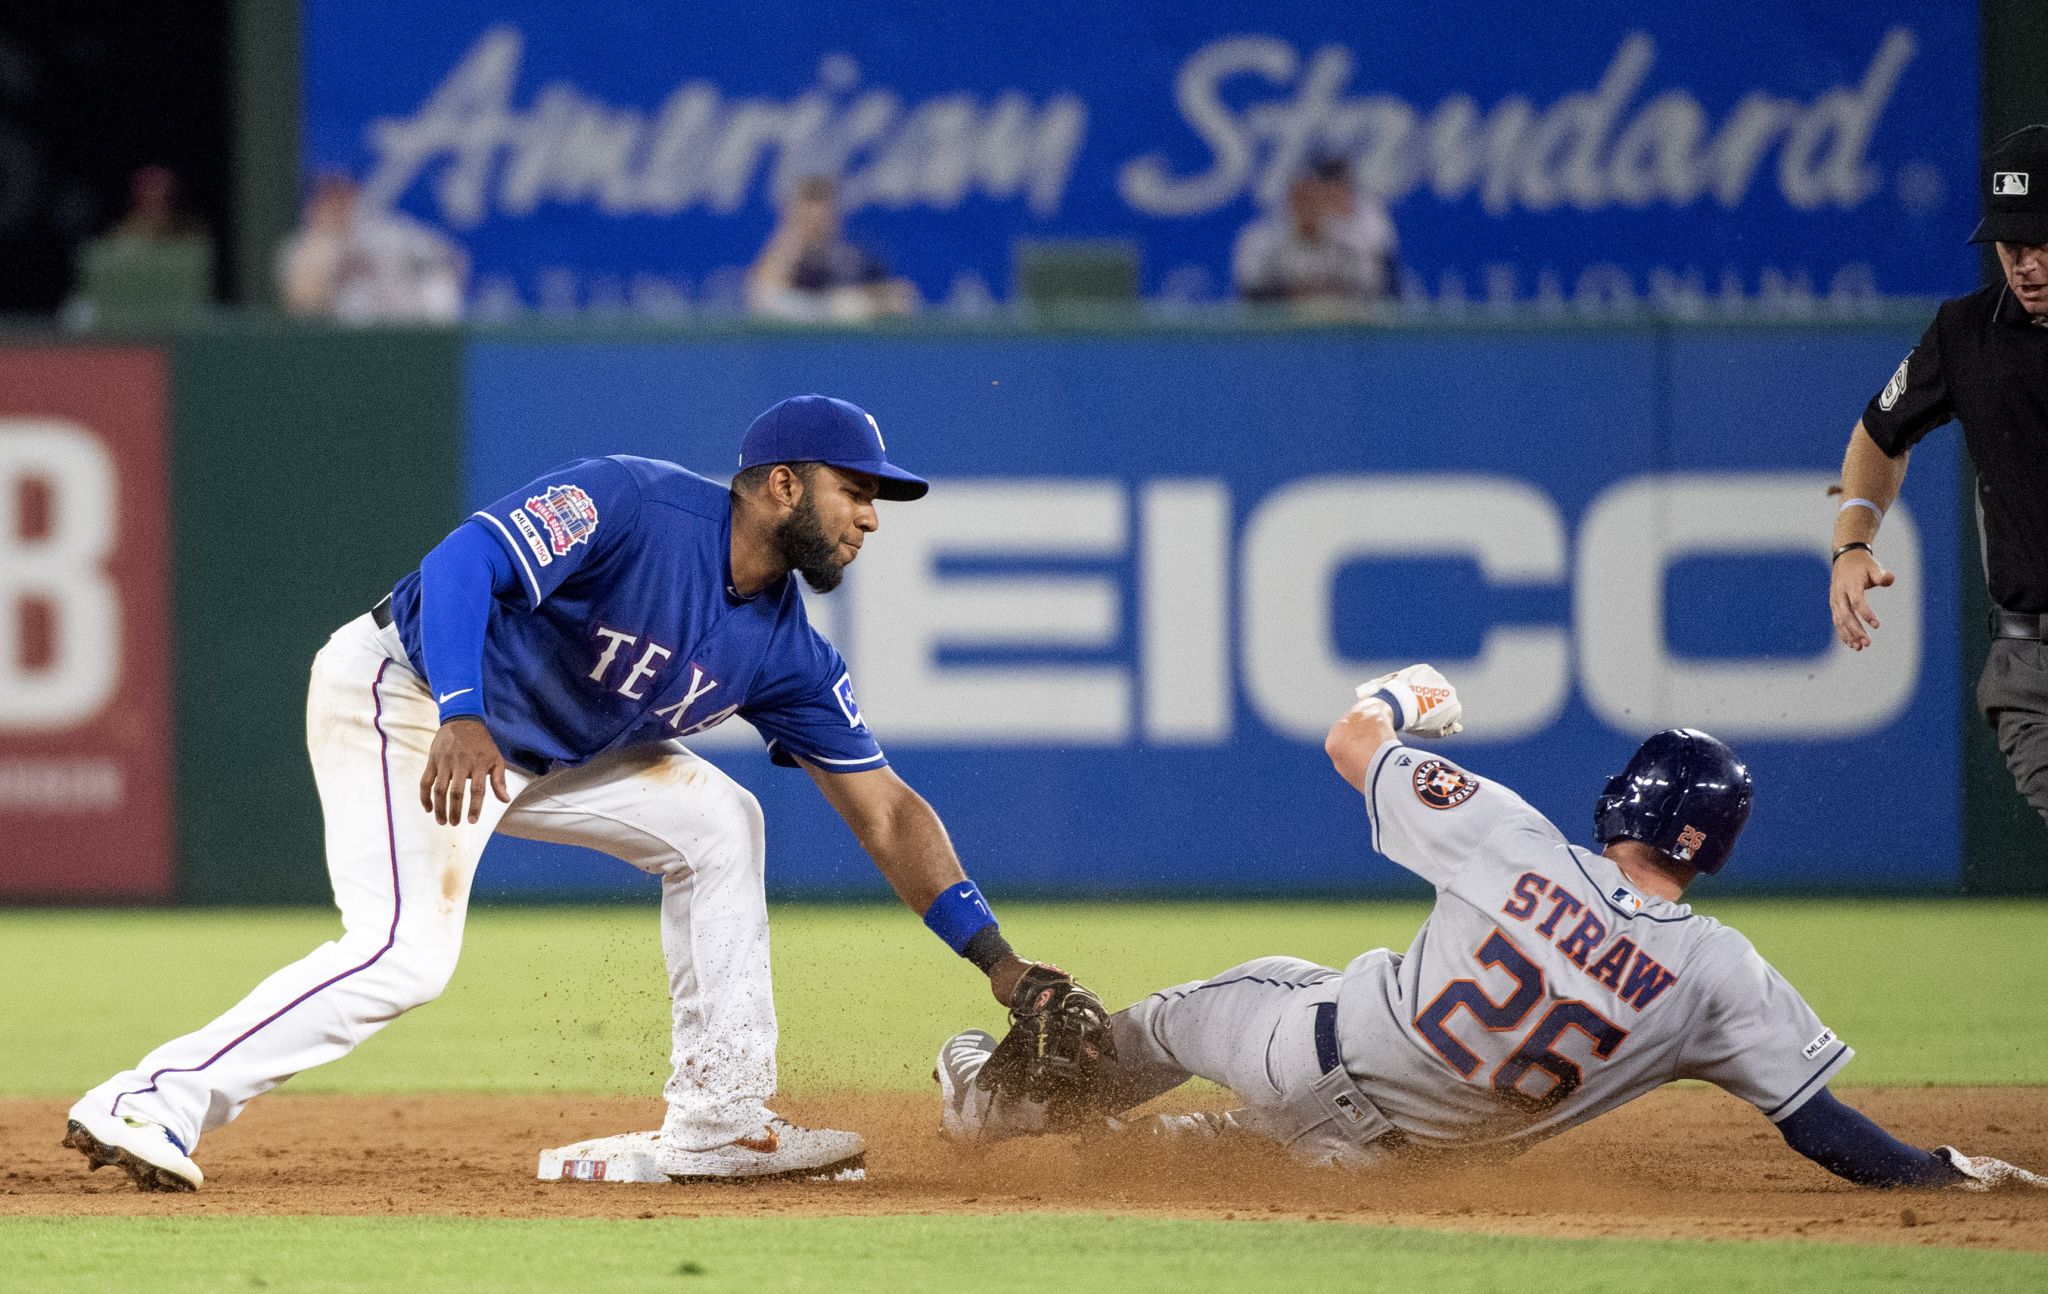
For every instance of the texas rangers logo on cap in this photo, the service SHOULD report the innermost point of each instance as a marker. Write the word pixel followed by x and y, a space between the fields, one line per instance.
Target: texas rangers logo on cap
pixel 1441 786
pixel 2009 184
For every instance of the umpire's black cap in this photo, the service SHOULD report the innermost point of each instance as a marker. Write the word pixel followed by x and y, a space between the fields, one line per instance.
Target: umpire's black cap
pixel 2015 189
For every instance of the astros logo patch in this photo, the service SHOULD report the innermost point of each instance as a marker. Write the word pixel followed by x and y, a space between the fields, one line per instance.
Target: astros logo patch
pixel 568 514
pixel 1440 786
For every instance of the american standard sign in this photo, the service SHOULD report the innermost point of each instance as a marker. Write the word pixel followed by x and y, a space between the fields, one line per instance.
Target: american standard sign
pixel 534 137
pixel 484 152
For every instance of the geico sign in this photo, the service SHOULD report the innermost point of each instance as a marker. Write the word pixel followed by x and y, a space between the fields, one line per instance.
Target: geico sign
pixel 906 612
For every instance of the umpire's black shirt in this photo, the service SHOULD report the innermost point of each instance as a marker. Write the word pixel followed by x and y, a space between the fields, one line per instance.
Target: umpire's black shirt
pixel 1984 362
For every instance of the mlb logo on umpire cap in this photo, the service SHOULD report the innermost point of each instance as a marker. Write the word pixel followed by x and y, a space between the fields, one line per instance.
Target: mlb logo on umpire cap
pixel 2013 212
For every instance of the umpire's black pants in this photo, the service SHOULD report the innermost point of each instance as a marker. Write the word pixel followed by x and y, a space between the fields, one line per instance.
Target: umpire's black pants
pixel 2013 693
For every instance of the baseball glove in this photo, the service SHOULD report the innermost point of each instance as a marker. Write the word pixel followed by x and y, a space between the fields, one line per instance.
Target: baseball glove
pixel 1058 1039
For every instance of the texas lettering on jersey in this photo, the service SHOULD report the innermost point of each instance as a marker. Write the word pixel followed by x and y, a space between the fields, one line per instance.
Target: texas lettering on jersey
pixel 636 678
pixel 626 631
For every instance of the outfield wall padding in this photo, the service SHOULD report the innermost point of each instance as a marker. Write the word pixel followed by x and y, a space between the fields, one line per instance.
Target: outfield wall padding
pixel 312 467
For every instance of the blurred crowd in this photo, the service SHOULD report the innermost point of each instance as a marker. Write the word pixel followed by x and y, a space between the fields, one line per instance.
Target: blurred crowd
pixel 1328 252
pixel 142 185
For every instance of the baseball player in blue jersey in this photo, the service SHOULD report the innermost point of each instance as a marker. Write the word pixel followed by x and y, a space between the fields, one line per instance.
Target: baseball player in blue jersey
pixel 540 675
pixel 1549 984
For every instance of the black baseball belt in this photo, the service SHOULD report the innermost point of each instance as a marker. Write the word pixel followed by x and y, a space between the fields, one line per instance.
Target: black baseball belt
pixel 1339 1095
pixel 381 613
pixel 2018 624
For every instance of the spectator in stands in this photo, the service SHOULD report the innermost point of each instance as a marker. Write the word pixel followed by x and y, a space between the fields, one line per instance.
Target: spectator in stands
pixel 154 214
pixel 810 272
pixel 354 264
pixel 1330 253
pixel 155 266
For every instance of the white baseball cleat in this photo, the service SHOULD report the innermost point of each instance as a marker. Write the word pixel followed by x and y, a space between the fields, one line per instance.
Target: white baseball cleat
pixel 780 1150
pixel 963 1104
pixel 146 1151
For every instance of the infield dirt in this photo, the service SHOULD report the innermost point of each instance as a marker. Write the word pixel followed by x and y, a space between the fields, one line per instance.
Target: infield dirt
pixel 1682 1163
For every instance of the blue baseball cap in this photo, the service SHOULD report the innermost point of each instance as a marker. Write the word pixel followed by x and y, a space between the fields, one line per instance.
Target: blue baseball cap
pixel 820 429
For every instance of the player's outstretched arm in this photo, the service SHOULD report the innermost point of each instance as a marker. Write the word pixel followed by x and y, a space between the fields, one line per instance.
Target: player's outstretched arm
pixel 1059 1031
pixel 910 847
pixel 1356 737
pixel 1850 1145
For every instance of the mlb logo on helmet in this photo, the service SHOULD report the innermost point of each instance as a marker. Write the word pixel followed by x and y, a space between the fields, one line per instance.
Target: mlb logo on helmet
pixel 2009 184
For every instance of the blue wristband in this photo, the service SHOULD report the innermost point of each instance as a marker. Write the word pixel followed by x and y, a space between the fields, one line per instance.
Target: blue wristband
pixel 959 914
pixel 1383 695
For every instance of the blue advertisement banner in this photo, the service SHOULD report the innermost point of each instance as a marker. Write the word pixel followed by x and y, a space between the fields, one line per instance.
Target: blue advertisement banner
pixel 1152 567
pixel 632 159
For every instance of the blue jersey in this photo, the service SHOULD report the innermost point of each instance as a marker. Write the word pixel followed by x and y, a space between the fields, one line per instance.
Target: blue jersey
pixel 625 628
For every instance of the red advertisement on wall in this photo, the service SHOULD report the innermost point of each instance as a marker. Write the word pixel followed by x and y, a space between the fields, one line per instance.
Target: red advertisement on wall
pixel 85 710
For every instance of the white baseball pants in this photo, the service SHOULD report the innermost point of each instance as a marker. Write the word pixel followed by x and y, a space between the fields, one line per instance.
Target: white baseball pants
pixel 402 883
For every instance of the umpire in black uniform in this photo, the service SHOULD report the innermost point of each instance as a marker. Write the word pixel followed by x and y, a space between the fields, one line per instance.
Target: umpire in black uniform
pixel 1984 363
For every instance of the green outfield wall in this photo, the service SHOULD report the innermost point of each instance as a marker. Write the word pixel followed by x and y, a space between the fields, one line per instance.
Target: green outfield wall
pixel 310 469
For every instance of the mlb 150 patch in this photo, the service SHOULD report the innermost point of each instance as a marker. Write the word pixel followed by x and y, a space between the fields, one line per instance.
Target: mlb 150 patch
pixel 1441 786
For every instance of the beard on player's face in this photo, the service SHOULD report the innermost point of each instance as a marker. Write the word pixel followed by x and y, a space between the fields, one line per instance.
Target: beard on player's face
pixel 804 547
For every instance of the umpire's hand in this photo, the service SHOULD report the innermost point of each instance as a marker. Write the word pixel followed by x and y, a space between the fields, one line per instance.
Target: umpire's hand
pixel 461 760
pixel 1856 573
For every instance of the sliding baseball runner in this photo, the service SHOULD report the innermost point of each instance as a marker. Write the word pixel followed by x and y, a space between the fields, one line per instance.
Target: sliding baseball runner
pixel 1550 984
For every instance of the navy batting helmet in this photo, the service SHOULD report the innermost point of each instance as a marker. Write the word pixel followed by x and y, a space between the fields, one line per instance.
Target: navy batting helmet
pixel 1683 792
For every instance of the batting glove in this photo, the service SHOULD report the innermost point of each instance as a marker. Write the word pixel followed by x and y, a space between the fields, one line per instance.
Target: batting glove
pixel 1423 701
pixel 1983 1173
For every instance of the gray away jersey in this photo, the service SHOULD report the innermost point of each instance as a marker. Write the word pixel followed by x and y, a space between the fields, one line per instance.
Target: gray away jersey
pixel 1543 989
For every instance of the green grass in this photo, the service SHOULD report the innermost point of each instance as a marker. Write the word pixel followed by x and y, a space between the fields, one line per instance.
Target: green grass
pixel 573 999
pixel 1079 1254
